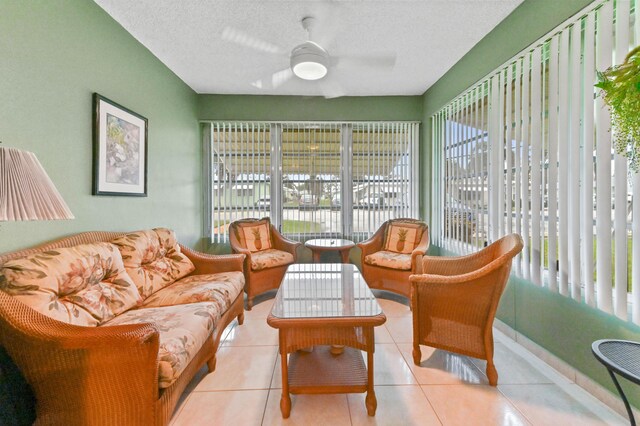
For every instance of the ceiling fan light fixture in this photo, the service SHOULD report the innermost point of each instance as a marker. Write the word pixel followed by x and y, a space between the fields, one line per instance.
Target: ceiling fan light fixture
pixel 309 61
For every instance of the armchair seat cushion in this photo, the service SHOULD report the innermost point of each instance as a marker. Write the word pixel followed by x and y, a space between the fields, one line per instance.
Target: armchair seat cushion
pixel 270 259
pixel 221 289
pixel 389 259
pixel 183 331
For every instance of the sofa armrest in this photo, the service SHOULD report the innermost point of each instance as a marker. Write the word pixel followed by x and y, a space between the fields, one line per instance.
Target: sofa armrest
pixel 211 263
pixel 88 373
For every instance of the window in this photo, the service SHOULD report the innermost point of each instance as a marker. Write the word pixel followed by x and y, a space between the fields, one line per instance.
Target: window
pixel 528 150
pixel 313 179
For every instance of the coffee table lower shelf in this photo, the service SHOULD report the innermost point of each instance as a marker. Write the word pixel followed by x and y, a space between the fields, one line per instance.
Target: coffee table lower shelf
pixel 320 371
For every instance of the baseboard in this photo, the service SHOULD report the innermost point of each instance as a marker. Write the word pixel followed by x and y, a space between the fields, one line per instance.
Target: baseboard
pixel 598 391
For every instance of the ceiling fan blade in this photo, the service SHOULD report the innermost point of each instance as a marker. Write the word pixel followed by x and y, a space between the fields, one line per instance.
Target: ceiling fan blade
pixel 331 89
pixel 241 38
pixel 280 77
pixel 275 80
pixel 378 60
pixel 328 15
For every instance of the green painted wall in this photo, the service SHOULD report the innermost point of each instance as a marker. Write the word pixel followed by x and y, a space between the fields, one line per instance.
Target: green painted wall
pixel 563 326
pixel 55 54
pixel 248 107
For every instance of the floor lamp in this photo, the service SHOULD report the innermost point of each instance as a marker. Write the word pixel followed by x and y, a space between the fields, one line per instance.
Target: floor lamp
pixel 26 193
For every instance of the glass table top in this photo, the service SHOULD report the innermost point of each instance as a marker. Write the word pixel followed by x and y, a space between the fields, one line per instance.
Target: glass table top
pixel 323 290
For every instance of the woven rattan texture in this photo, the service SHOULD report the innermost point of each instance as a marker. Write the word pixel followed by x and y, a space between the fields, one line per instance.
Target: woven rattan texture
pixel 100 375
pixel 455 300
pixel 298 338
pixel 345 369
pixel 258 282
pixel 394 280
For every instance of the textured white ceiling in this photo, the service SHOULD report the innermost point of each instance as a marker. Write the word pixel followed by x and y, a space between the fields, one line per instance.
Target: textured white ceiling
pixel 428 37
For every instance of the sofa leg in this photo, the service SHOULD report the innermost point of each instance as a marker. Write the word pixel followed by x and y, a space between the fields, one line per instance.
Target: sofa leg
pixel 211 364
pixel 249 303
pixel 241 318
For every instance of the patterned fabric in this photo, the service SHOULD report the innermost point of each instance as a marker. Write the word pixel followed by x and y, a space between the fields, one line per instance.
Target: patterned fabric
pixel 183 330
pixel 84 285
pixel 254 235
pixel 390 259
pixel 153 259
pixel 403 236
pixel 221 289
pixel 269 259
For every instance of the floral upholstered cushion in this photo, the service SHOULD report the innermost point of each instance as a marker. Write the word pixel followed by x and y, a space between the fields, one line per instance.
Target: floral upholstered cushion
pixel 403 236
pixel 390 259
pixel 82 285
pixel 183 330
pixel 254 235
pixel 222 289
pixel 270 259
pixel 153 259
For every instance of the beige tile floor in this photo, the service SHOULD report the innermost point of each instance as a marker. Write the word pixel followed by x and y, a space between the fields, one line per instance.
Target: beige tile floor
pixel 446 388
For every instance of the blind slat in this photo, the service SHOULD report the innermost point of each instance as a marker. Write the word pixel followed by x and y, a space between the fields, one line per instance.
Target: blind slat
pixel 552 211
pixel 574 164
pixel 587 160
pixel 603 171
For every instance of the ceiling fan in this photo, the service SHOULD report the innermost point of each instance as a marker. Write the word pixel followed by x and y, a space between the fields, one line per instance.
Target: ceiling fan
pixel 308 60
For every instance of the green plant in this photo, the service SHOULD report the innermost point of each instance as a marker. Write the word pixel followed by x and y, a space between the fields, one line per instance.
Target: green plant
pixel 620 86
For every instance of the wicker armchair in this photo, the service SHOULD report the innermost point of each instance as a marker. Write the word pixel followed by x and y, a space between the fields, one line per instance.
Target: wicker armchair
pixel 101 375
pixel 391 277
pixel 455 300
pixel 259 279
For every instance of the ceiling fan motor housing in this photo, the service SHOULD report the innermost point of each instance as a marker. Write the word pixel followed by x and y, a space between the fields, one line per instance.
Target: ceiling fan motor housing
pixel 309 61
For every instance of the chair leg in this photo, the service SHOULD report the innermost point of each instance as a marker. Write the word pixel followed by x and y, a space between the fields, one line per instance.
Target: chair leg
pixel 417 355
pixel 211 364
pixel 241 318
pixel 249 303
pixel 492 373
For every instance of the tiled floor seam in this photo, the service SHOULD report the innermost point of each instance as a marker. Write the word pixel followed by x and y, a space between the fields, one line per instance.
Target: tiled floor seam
pixel 430 403
pixel 515 406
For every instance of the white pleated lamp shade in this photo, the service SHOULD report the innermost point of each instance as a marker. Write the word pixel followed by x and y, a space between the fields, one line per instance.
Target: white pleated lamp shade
pixel 26 191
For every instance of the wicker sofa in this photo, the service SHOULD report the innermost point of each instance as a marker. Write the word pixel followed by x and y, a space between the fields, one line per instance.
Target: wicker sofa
pixel 109 328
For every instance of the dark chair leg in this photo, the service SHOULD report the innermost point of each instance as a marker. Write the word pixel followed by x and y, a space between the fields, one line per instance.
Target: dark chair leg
pixel 632 419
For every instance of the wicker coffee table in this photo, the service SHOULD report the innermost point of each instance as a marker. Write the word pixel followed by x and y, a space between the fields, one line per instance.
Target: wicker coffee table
pixel 325 314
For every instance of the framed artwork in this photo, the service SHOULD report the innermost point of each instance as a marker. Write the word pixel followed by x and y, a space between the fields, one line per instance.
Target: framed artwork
pixel 119 150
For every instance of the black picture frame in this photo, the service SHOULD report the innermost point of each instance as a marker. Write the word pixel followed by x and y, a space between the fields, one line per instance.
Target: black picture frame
pixel 120 146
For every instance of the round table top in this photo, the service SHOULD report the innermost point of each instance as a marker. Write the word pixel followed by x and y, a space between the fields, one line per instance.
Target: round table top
pixel 329 243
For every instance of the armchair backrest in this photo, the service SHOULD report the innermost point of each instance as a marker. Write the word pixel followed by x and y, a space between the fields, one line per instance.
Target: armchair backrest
pixel 251 234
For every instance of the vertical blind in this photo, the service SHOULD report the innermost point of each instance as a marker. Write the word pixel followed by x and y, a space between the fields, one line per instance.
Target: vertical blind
pixel 313 179
pixel 528 150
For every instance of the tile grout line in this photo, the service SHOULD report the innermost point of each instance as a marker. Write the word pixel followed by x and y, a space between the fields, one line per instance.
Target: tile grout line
pixel 513 404
pixel 416 379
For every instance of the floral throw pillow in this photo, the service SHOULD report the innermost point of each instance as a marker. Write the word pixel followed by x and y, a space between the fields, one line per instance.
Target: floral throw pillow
pixel 153 259
pixel 82 285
